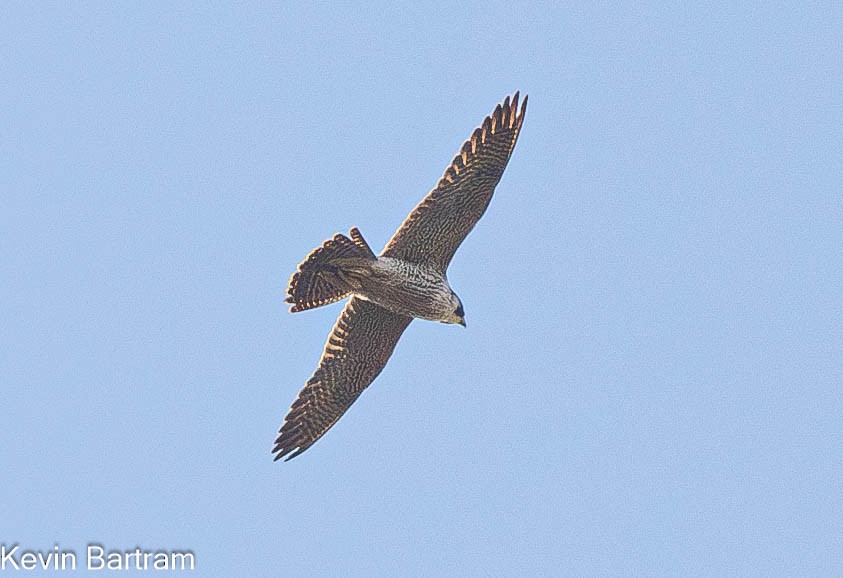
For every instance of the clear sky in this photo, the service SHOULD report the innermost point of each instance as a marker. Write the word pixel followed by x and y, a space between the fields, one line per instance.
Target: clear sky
pixel 650 380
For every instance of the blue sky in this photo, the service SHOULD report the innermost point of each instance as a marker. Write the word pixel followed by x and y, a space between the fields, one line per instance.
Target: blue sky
pixel 650 381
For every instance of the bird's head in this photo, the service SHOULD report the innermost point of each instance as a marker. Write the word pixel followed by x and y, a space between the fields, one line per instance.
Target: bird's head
pixel 456 313
pixel 460 313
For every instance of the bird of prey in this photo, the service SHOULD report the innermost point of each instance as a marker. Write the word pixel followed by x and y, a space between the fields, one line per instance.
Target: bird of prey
pixel 408 279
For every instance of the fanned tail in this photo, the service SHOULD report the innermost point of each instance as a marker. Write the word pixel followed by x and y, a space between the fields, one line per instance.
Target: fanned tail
pixel 330 272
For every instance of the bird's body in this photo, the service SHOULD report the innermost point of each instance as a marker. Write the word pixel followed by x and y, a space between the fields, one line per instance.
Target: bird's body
pixel 407 280
pixel 411 289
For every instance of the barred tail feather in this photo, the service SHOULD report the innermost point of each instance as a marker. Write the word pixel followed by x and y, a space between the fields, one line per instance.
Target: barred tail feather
pixel 330 272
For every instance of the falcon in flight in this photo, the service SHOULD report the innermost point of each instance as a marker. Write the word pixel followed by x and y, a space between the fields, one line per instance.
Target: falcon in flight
pixel 408 279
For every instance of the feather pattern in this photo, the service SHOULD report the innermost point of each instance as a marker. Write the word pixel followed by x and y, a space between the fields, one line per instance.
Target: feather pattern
pixel 435 229
pixel 357 350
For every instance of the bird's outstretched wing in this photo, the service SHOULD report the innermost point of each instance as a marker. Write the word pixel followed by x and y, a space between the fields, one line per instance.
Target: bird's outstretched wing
pixel 357 350
pixel 432 232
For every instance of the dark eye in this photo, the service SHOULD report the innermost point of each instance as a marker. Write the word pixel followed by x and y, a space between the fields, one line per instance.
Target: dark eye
pixel 460 312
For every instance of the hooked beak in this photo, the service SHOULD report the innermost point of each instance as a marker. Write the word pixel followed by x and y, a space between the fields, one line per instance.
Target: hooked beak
pixel 461 321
